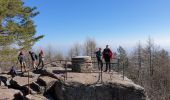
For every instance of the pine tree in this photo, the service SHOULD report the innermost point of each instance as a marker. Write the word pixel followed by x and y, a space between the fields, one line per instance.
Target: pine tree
pixel 17 29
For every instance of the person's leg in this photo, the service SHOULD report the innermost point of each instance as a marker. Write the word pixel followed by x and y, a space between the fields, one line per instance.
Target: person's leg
pixel 24 65
pixel 109 65
pixel 42 64
pixel 33 65
pixel 21 63
pixel 98 63
pixel 106 65
pixel 39 63
pixel 101 63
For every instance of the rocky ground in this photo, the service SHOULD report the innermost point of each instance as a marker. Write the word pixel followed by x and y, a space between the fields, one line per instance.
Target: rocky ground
pixel 51 83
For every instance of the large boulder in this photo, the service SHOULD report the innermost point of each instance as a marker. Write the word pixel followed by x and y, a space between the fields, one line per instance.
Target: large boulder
pixel 47 82
pixel 10 94
pixel 87 86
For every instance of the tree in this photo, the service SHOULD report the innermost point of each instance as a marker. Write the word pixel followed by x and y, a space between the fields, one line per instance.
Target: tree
pixel 89 46
pixel 71 53
pixel 17 26
pixel 149 53
pixel 49 53
pixel 17 29
pixel 122 54
pixel 149 67
pixel 75 50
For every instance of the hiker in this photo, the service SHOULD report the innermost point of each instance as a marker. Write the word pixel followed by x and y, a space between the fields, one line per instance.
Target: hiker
pixel 99 59
pixel 34 59
pixel 13 71
pixel 21 59
pixel 107 55
pixel 41 59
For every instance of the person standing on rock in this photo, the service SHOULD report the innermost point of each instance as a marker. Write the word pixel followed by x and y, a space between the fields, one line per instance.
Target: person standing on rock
pixel 34 59
pixel 107 55
pixel 99 59
pixel 21 59
pixel 41 59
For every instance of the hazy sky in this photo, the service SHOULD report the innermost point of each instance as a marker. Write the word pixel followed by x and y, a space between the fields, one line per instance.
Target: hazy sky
pixel 114 22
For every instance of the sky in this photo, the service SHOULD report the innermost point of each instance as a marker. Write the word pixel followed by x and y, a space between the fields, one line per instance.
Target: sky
pixel 113 22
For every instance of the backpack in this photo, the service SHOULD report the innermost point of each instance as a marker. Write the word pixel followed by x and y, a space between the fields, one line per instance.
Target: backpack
pixel 107 53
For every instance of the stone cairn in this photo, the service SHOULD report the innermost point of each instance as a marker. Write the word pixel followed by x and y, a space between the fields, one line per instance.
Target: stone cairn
pixel 82 64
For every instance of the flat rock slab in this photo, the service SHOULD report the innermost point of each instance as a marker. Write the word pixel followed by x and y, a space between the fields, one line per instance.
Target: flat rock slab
pixel 93 78
pixel 53 69
pixel 88 86
pixel 22 81
pixel 36 97
pixel 46 80
pixel 8 94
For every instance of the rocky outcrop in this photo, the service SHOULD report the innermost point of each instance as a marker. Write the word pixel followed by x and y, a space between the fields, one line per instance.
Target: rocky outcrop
pixel 85 87
pixel 47 82
pixel 52 81
pixel 10 94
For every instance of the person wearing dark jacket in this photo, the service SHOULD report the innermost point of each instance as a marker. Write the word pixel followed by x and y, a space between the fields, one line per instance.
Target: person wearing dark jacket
pixel 99 59
pixel 13 71
pixel 34 59
pixel 107 55
pixel 21 59
pixel 41 59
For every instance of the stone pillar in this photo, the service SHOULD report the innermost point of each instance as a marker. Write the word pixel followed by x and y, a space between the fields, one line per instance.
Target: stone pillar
pixel 82 64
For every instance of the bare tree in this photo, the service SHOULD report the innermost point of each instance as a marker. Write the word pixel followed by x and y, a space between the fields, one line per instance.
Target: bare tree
pixel 89 46
pixel 71 53
pixel 49 53
pixel 149 67
pixel 75 50
pixel 58 55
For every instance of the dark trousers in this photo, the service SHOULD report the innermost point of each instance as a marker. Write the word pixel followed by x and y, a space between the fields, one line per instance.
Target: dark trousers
pixel 107 61
pixel 41 62
pixel 100 64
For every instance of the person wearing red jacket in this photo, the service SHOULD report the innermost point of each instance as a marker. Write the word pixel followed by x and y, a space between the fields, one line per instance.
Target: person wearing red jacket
pixel 107 55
